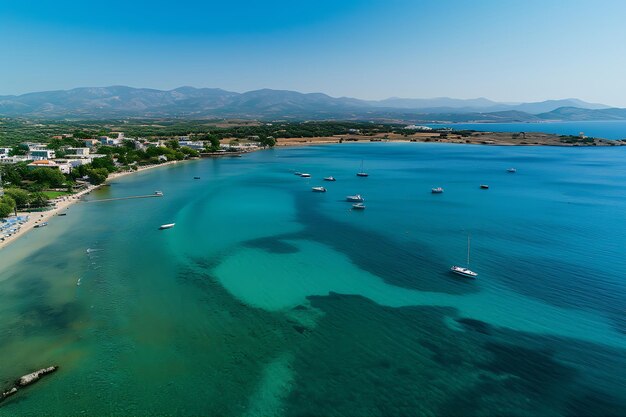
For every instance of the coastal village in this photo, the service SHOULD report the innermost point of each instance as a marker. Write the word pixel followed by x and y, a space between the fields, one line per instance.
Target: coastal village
pixel 40 179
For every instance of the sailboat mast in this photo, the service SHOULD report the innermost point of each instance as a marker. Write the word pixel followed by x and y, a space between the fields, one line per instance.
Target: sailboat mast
pixel 468 249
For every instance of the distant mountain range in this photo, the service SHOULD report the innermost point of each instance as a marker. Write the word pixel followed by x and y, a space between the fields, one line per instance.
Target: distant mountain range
pixel 121 102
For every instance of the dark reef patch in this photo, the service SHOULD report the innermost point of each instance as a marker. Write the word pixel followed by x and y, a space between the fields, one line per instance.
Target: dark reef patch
pixel 367 359
pixel 533 370
pixel 476 325
pixel 272 245
pixel 396 263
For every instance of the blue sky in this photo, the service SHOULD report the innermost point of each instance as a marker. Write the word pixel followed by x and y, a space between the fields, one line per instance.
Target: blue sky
pixel 506 50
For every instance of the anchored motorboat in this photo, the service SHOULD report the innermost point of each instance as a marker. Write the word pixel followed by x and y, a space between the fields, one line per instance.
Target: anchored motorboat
pixel 355 198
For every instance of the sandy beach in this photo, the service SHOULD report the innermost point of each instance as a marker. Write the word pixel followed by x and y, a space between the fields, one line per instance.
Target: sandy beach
pixel 63 203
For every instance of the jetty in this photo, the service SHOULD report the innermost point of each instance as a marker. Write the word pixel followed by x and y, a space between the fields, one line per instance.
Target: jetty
pixel 124 198
pixel 27 380
pixel 237 154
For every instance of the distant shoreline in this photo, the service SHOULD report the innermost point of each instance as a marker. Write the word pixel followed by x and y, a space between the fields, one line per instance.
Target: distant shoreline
pixel 473 138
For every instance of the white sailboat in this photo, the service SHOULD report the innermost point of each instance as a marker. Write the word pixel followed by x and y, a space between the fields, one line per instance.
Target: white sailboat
pixel 362 173
pixel 465 272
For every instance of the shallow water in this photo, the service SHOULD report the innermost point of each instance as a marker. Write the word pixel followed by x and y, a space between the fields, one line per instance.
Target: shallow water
pixel 268 299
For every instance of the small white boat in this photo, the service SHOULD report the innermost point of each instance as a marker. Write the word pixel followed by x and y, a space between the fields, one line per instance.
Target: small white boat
pixel 331 178
pixel 437 190
pixel 319 189
pixel 44 224
pixel 511 170
pixel 167 226
pixel 465 272
pixel 358 206
pixel 484 186
pixel 362 173
pixel 305 175
pixel 355 198
pixel 158 193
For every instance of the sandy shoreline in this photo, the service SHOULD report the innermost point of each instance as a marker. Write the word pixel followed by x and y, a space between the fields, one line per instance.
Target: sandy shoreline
pixel 473 138
pixel 64 203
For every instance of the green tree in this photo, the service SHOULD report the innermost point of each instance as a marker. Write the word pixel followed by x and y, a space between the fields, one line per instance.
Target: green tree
pixel 48 177
pixel 215 143
pixel 172 144
pixel 14 173
pixel 268 141
pixel 97 176
pixel 7 206
pixel 5 209
pixel 20 149
pixel 189 152
pixel 104 162
pixel 21 197
pixel 38 199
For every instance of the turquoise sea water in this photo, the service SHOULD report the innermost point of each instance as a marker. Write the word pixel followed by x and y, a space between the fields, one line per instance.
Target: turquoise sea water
pixel 269 299
pixel 611 129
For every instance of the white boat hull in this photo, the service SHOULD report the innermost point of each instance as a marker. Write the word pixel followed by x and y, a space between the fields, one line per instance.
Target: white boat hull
pixel 464 272
pixel 357 198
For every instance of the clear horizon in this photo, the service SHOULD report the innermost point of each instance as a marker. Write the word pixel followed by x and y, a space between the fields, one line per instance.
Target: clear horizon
pixel 513 52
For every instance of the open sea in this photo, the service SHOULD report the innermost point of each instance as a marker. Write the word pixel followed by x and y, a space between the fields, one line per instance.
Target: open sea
pixel 267 299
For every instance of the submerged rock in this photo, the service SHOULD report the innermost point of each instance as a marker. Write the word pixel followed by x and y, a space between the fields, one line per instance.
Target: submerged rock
pixel 27 380
pixel 34 376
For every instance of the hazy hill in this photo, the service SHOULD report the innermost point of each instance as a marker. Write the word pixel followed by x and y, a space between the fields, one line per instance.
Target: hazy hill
pixel 121 101
pixel 575 113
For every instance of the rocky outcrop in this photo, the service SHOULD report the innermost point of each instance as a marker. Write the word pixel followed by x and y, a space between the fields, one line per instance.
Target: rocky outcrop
pixel 26 380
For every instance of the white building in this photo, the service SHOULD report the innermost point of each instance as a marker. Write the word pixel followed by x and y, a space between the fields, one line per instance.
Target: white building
pixel 105 140
pixel 40 154
pixel 4 153
pixel 416 127
pixel 78 151
pixel 13 159
pixel 33 146
pixel 64 168
pixel 197 145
